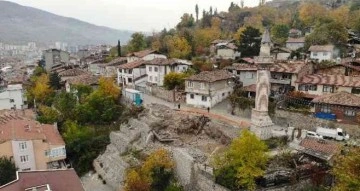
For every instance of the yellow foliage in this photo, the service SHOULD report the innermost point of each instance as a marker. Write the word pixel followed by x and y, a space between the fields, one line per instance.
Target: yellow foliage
pixel 134 182
pixel 204 37
pixel 108 87
pixel 178 47
pixel 159 158
pixel 41 88
pixel 255 21
pixel 237 35
pixel 341 15
pixel 310 13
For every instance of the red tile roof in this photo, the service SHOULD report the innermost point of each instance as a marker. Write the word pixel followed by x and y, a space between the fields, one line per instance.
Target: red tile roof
pixel 289 67
pixel 341 98
pixel 323 48
pixel 142 53
pixel 160 61
pixel 296 40
pixel 86 79
pixel 320 148
pixel 72 72
pixel 336 80
pixel 211 76
pixel 250 88
pixel 116 61
pixel 56 180
pixel 132 65
pixel 12 128
pixel 242 67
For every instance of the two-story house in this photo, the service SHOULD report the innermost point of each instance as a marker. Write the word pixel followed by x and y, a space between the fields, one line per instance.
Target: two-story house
pixel 144 55
pixel 322 52
pixel 295 43
pixel 157 69
pixel 208 88
pixel 321 84
pixel 245 72
pixel 227 51
pixel 131 73
pixel 33 146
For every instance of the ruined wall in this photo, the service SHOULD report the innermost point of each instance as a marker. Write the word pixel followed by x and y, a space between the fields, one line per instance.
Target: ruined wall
pixel 205 182
pixel 167 95
pixel 184 169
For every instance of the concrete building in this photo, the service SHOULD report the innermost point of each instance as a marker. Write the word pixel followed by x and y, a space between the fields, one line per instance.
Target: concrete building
pixel 55 57
pixel 13 97
pixel 157 68
pixel 314 85
pixel 131 73
pixel 321 53
pixel 208 88
pixel 45 180
pixel 33 146
pixel 146 55
pixel 227 51
pixel 295 43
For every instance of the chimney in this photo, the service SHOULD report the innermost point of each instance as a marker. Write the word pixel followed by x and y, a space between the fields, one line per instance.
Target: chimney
pixel 56 127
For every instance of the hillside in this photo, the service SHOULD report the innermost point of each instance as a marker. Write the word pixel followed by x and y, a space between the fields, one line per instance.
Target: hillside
pixel 21 24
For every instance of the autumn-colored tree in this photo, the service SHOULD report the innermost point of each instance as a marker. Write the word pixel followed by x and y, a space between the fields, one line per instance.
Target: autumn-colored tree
pixel 174 80
pixel 312 12
pixel 134 182
pixel 178 47
pixel 137 42
pixel 341 15
pixel 187 20
pixel 48 115
pixel 41 90
pixel 347 170
pixel 247 155
pixel 107 87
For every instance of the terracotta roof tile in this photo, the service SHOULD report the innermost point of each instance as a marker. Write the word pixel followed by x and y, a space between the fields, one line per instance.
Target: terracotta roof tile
pixel 132 65
pixel 321 148
pixel 250 88
pixel 243 67
pixel 142 53
pixel 159 61
pixel 12 128
pixel 296 40
pixel 336 80
pixel 341 98
pixel 321 48
pixel 72 72
pixel 56 180
pixel 211 76
pixel 290 67
pixel 117 61
pixel 86 79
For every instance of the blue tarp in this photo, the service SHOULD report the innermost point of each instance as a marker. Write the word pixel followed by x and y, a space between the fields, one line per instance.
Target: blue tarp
pixel 327 116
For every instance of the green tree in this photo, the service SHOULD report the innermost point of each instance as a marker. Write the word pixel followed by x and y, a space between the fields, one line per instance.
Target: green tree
pixel 137 42
pixel 175 80
pixel 55 81
pixel 247 155
pixel 249 43
pixel 73 131
pixel 347 170
pixel 7 170
pixel 280 33
pixel 197 12
pixel 65 104
pixel 82 91
pixel 48 115
pixel 187 21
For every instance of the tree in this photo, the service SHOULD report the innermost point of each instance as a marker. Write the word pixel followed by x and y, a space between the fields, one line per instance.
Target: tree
pixel 197 12
pixel 280 33
pixel 107 87
pixel 119 49
pixel 247 155
pixel 312 12
pixel 41 90
pixel 174 80
pixel 7 170
pixel 65 103
pixel 137 42
pixel 249 44
pixel 186 21
pixel 242 3
pixel 134 182
pixel 48 115
pixel 178 47
pixel 347 170
pixel 82 91
pixel 73 131
pixel 55 81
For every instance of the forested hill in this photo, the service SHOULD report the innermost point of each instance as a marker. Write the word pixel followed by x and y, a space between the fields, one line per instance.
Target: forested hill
pixel 21 24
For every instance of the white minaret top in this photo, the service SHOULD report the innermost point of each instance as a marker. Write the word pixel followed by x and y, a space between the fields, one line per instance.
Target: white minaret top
pixel 265 44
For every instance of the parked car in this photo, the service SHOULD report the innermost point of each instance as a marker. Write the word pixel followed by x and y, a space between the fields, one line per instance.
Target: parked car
pixel 313 135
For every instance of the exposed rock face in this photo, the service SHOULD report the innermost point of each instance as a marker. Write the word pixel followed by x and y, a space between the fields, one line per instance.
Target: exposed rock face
pixel 160 126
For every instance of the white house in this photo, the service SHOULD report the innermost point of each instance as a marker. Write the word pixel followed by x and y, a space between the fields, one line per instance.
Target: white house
pixel 295 43
pixel 157 68
pixel 208 88
pixel 13 97
pixel 320 53
pixel 131 73
pixel 146 55
pixel 227 51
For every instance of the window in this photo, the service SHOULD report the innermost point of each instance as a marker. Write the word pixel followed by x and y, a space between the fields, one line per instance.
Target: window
pixel 150 78
pixel 203 98
pixel 12 101
pixel 328 89
pixel 130 71
pixel 190 84
pixel 223 94
pixel 238 72
pixel 150 69
pixel 22 146
pixel 155 69
pixel 355 91
pixel 326 109
pixel 202 86
pixel 249 75
pixel 129 80
pixel 191 96
pixel 156 79
pixel 314 53
pixel 24 158
pixel 350 113
pixel 313 87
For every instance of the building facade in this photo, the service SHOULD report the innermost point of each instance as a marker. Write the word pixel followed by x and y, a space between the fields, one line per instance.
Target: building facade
pixel 322 53
pixel 13 97
pixel 55 57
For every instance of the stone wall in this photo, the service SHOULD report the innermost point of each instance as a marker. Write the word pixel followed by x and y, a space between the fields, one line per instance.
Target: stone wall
pixel 184 169
pixel 167 95
pixel 206 182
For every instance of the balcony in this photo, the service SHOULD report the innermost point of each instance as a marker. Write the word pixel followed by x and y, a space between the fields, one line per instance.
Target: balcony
pixel 280 81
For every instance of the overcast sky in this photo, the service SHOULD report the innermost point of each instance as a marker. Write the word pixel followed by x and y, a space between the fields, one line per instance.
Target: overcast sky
pixel 136 15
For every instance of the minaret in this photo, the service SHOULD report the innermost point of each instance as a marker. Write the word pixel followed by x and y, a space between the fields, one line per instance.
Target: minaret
pixel 261 123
